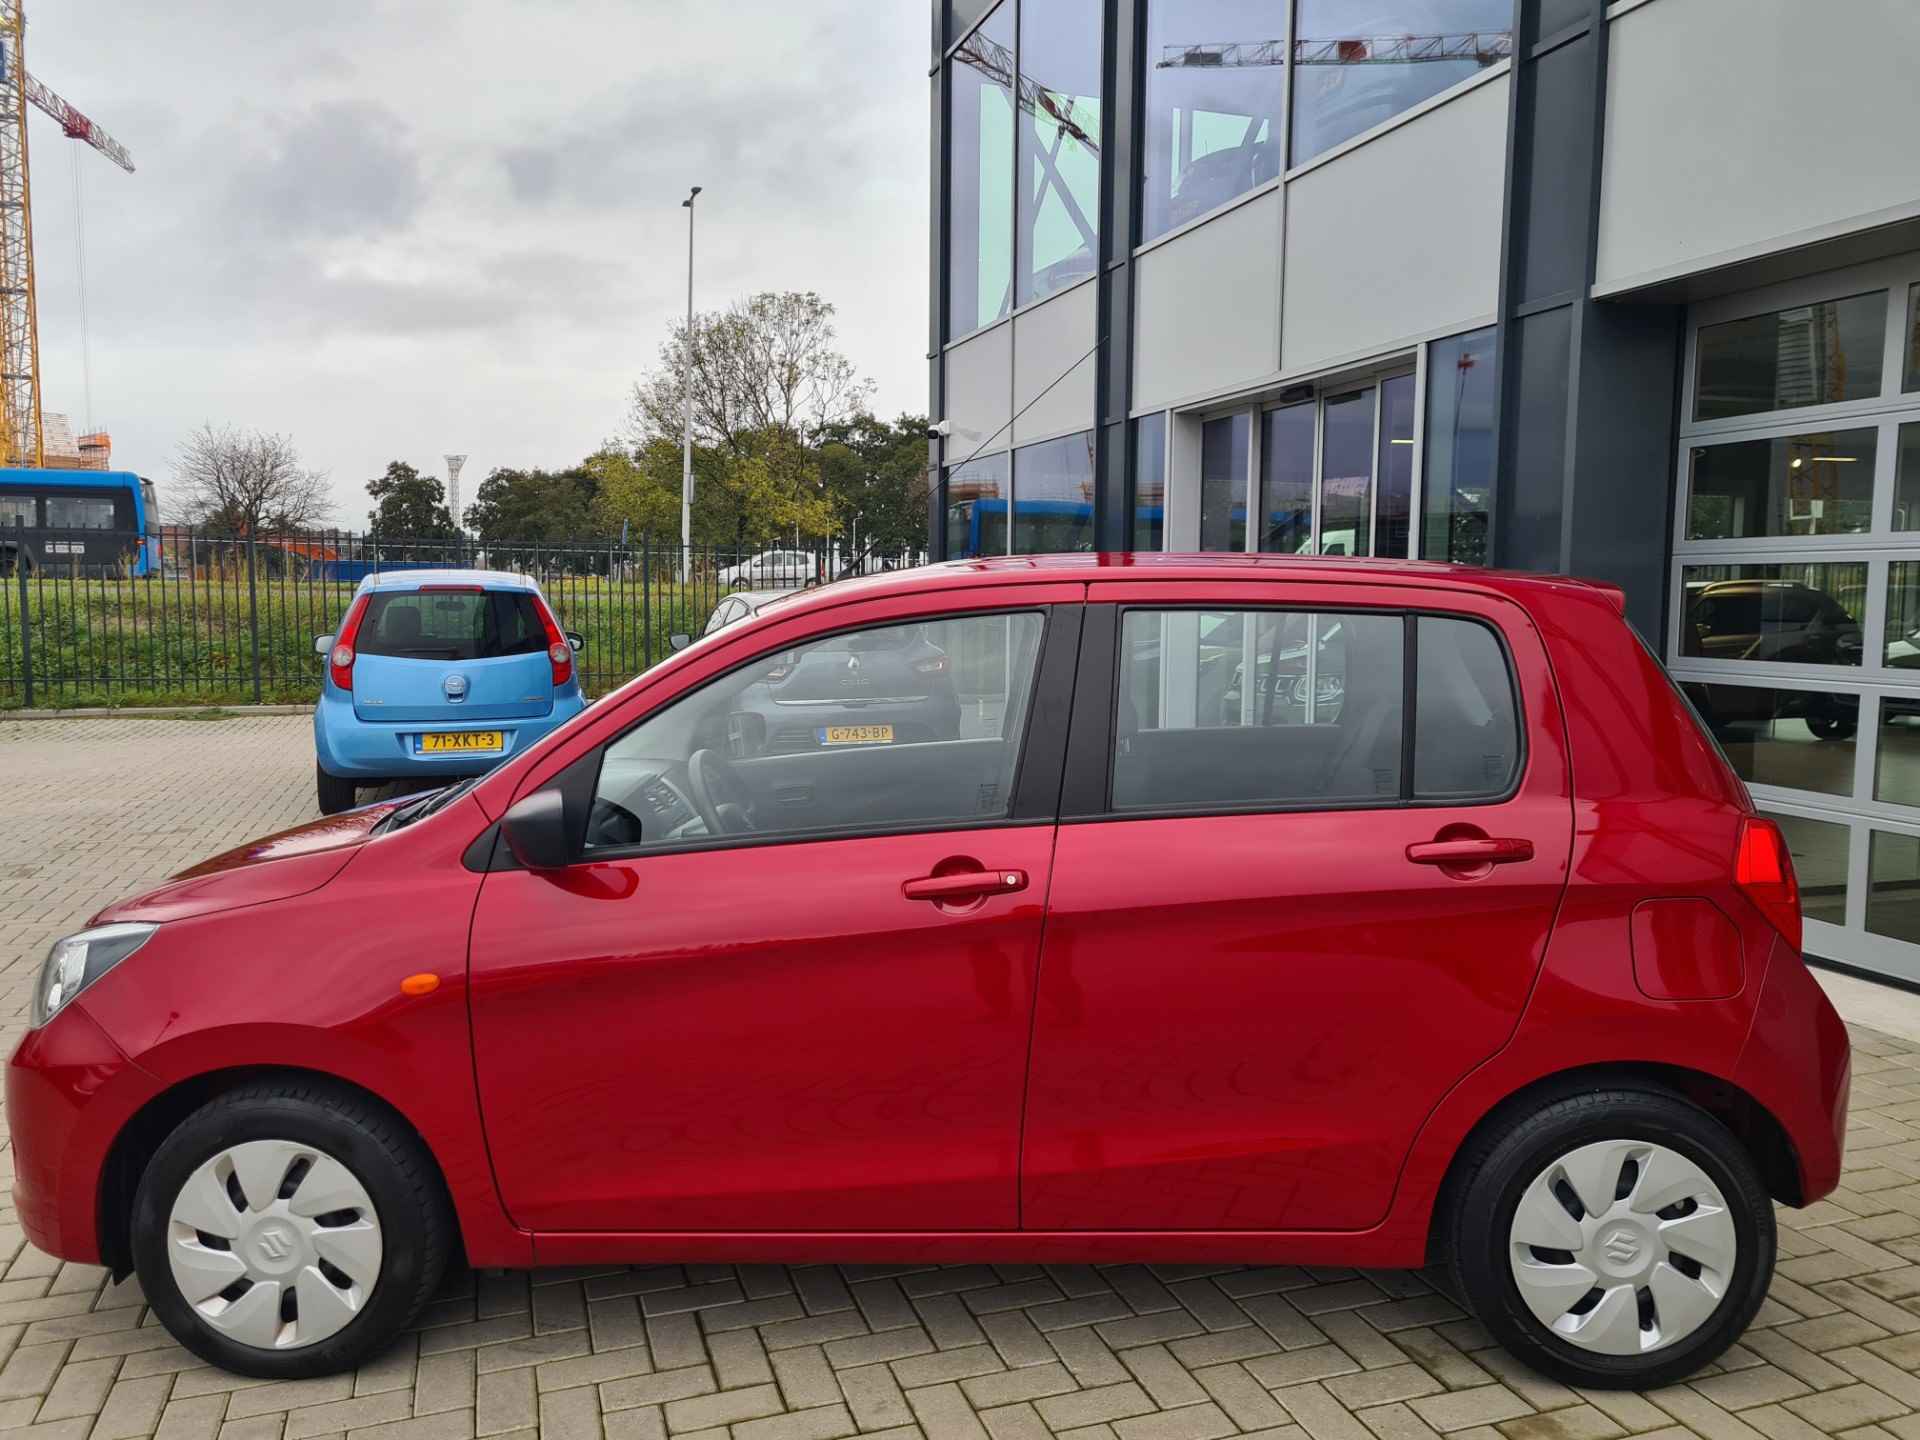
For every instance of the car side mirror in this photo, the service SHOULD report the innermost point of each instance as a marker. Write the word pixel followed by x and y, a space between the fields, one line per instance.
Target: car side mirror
pixel 576 642
pixel 536 831
pixel 679 640
pixel 322 644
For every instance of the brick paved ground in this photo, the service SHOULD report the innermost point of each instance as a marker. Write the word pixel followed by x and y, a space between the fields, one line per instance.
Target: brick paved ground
pixel 89 809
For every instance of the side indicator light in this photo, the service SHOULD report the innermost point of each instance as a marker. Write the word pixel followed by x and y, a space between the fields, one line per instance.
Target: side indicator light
pixel 419 984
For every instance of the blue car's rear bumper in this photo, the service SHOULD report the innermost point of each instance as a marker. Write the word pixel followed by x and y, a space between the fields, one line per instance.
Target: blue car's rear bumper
pixel 354 749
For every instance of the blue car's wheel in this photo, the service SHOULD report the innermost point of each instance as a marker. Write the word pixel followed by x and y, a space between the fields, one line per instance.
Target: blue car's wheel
pixel 334 793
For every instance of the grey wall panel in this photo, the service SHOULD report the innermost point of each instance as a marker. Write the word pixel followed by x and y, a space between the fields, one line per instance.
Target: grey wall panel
pixel 1734 124
pixel 1207 306
pixel 1400 237
pixel 1052 343
pixel 979 384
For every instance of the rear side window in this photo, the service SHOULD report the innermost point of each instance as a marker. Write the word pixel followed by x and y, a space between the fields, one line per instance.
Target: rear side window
pixel 452 625
pixel 1293 709
pixel 1466 740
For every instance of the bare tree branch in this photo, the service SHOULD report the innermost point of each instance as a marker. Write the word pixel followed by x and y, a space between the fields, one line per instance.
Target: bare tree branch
pixel 247 482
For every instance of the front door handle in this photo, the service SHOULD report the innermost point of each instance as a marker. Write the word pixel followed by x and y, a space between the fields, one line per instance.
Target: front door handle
pixel 1476 851
pixel 967 885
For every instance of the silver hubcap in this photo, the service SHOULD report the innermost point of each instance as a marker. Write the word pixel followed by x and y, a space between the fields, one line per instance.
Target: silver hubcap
pixel 274 1244
pixel 1623 1247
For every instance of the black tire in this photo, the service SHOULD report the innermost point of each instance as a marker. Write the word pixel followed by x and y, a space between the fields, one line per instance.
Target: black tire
pixel 1503 1162
pixel 333 793
pixel 386 1157
pixel 1831 727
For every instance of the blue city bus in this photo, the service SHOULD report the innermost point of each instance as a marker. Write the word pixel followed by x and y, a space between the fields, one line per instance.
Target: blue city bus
pixel 84 522
pixel 979 527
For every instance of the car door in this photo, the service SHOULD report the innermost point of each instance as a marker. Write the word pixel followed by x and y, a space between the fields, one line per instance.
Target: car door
pixel 1309 859
pixel 730 1017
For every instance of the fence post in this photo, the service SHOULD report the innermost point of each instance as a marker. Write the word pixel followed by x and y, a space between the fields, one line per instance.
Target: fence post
pixel 26 620
pixel 646 599
pixel 253 616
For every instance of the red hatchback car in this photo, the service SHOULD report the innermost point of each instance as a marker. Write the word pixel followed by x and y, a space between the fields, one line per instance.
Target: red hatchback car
pixel 1309 911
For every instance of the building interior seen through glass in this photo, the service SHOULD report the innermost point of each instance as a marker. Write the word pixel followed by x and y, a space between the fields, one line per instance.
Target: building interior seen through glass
pixel 1457 466
pixel 1357 65
pixel 1150 482
pixel 1818 354
pixel 1816 484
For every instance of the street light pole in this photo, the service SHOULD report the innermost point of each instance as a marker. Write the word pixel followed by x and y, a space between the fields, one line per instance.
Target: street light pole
pixel 686 386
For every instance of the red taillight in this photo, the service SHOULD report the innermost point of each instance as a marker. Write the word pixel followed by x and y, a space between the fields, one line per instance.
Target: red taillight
pixel 1763 869
pixel 558 651
pixel 340 662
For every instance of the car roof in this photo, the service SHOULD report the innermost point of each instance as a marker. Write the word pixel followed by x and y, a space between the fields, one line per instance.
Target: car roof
pixel 413 579
pixel 1321 569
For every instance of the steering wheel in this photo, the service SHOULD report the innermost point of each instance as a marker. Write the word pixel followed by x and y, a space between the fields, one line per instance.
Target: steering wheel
pixel 716 792
pixel 610 824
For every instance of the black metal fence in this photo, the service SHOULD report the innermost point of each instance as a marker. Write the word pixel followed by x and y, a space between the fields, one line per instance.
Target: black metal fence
pixel 188 616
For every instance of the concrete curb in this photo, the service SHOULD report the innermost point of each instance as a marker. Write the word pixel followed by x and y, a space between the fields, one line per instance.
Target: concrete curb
pixel 156 712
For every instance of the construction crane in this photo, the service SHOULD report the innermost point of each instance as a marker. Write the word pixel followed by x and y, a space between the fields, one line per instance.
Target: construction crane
pixel 1482 47
pixel 22 438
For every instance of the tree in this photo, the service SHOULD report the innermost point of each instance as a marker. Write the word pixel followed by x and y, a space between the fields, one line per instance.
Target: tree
pixel 246 483
pixel 522 508
pixel 765 491
pixel 409 505
pixel 764 365
pixel 875 476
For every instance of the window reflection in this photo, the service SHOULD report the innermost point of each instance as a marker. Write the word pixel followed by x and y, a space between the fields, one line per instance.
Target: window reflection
pixel 1791 485
pixel 1819 850
pixel 1346 474
pixel 1286 479
pixel 1150 482
pixel 1797 739
pixel 1903 615
pixel 1393 487
pixel 1059 144
pixel 1893 888
pixel 1215 79
pixel 1913 339
pixel 1896 767
pixel 1053 496
pixel 1906 485
pixel 1458 485
pixel 1774 614
pixel 977 508
pixel 1807 355
pixel 980 177
pixel 1223 482
pixel 1355 66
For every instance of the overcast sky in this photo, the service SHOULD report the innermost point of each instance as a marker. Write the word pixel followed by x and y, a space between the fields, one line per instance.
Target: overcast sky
pixel 397 228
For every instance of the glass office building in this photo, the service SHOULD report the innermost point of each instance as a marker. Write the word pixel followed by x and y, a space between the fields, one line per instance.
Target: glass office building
pixel 1535 284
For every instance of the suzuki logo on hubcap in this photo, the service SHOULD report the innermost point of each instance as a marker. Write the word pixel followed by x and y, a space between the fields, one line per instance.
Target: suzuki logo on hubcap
pixel 275 1244
pixel 1622 1247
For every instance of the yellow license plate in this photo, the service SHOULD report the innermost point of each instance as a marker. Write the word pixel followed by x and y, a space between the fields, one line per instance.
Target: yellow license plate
pixel 856 734
pixel 461 742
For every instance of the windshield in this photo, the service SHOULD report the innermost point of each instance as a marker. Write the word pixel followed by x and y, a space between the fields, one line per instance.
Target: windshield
pixel 452 625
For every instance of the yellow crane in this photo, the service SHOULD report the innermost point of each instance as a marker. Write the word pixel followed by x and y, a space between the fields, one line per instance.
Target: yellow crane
pixel 21 439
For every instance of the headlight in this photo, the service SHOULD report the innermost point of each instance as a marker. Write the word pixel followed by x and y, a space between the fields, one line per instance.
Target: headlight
pixel 77 961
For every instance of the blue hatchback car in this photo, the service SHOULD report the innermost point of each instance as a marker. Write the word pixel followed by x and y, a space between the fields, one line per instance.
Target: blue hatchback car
pixel 438 673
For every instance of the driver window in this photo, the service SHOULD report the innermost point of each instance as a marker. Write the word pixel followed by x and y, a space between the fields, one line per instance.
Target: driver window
pixel 880 729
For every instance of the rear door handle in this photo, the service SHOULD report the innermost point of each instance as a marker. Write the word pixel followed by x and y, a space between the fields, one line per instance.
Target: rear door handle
pixel 967 885
pixel 1471 852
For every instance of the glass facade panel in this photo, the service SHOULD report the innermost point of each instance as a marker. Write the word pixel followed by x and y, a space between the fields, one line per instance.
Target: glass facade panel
pixel 1462 388
pixel 977 507
pixel 1796 739
pixel 1912 381
pixel 1893 886
pixel 1059 239
pixel 1774 614
pixel 1791 485
pixel 1896 765
pixel 1393 470
pixel 1215 80
pixel 1053 496
pixel 1819 850
pixel 1906 485
pixel 1224 444
pixel 1150 482
pixel 1286 479
pixel 1357 65
pixel 1346 474
pixel 1903 615
pixel 961 15
pixel 1808 355
pixel 980 177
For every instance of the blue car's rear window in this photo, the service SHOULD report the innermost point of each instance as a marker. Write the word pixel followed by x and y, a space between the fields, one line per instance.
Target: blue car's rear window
pixel 451 625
